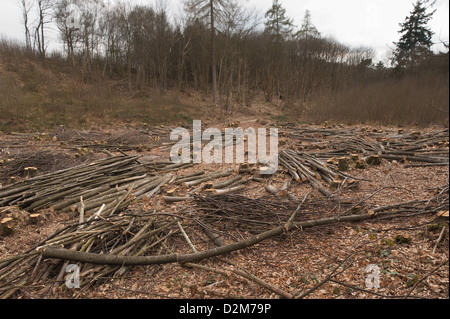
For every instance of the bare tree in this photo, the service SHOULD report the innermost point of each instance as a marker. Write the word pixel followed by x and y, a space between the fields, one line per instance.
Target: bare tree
pixel 44 8
pixel 69 31
pixel 26 6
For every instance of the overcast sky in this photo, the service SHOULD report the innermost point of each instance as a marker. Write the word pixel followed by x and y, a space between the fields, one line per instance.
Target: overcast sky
pixel 370 23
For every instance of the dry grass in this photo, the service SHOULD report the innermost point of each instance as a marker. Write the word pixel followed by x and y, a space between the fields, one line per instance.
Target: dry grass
pixel 419 100
pixel 39 95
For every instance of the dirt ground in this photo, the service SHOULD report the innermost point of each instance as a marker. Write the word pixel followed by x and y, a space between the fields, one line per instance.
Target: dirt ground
pixel 409 252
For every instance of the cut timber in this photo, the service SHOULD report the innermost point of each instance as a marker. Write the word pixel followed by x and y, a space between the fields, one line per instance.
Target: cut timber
pixel 217 240
pixel 442 216
pixel 172 192
pixel 170 199
pixel 424 159
pixel 208 186
pixel 188 178
pixel 388 168
pixel 120 260
pixel 209 191
pixel 426 165
pixel 209 177
pixel 226 183
pixel 332 161
pixel 148 195
pixel 284 188
pixel 278 192
pixel 272 189
pixel 229 190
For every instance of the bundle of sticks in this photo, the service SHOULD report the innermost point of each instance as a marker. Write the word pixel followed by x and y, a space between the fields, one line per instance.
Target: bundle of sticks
pixel 103 233
pixel 113 182
pixel 305 167
pixel 430 150
pixel 19 140
pixel 237 212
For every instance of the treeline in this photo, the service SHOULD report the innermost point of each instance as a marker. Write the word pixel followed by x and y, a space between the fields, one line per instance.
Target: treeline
pixel 220 42
pixel 141 44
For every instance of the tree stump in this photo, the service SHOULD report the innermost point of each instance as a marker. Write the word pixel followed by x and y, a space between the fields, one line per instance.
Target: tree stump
pixel 373 160
pixel 335 184
pixel 6 226
pixel 360 164
pixel 343 164
pixel 30 172
pixel 172 192
pixel 34 219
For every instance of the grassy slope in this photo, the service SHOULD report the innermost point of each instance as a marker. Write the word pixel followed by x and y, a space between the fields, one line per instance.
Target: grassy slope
pixel 36 96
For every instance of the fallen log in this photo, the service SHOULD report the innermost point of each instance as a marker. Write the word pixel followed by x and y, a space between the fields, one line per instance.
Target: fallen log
pixel 226 183
pixel 415 158
pixel 209 177
pixel 172 199
pixel 110 259
pixel 229 190
pixel 426 165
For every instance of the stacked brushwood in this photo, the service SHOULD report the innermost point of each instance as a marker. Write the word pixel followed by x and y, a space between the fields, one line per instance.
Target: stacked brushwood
pixel 413 149
pixel 238 212
pixel 106 245
pixel 430 149
pixel 22 140
pixel 305 167
pixel 112 182
pixel 27 163
pixel 117 234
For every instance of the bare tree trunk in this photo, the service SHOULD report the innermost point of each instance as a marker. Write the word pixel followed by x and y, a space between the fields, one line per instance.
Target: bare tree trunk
pixel 129 69
pixel 40 34
pixel 213 56
pixel 26 7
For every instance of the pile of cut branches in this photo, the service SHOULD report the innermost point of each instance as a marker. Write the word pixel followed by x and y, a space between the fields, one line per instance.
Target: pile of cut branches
pixel 18 163
pixel 122 140
pixel 107 244
pixel 430 149
pixel 110 182
pixel 123 234
pixel 305 167
pixel 232 211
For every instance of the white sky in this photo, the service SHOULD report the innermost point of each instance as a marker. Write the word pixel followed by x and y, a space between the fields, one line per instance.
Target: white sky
pixel 371 23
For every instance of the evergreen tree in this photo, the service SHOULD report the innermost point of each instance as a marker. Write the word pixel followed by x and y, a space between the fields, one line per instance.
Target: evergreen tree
pixel 278 24
pixel 307 30
pixel 415 42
